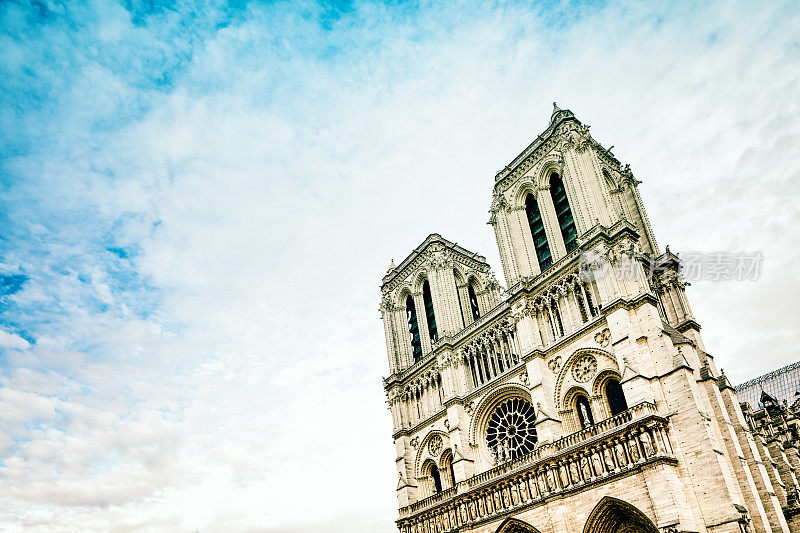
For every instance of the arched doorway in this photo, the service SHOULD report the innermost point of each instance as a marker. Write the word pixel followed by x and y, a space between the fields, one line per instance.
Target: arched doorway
pixel 616 516
pixel 512 525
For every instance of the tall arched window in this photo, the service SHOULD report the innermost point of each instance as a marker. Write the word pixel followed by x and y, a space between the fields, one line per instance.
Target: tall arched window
pixel 473 302
pixel 616 398
pixel 563 212
pixel 437 479
pixel 413 329
pixel 537 232
pixel 426 297
pixel 584 411
pixel 559 323
pixel 446 471
pixel 459 283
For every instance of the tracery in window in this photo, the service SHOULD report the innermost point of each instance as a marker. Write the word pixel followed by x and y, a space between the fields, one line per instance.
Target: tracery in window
pixel 413 329
pixel 563 212
pixel 511 430
pixel 537 232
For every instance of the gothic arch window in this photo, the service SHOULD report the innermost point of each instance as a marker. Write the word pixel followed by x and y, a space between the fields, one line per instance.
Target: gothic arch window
pixel 587 291
pixel 437 479
pixel 459 285
pixel 513 525
pixel 473 301
pixel 447 471
pixel 413 329
pixel 511 431
pixel 537 232
pixel 613 516
pixel 430 479
pixel 563 212
pixel 584 410
pixel 586 306
pixel 559 324
pixel 429 315
pixel 616 397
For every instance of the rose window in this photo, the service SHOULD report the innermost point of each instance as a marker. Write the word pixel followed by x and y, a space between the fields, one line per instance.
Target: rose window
pixel 435 446
pixel 584 368
pixel 512 430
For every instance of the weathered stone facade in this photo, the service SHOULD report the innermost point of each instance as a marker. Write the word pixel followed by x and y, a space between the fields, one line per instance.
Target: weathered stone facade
pixel 581 398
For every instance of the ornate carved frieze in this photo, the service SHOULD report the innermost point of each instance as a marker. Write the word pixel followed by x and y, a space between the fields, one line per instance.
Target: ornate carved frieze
pixel 624 443
pixel 603 338
pixel 499 203
pixel 435 253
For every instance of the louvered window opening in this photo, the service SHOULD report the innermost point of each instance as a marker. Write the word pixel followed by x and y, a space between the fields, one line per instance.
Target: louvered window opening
pixel 473 303
pixel 537 233
pixel 563 213
pixel 429 315
pixel 413 329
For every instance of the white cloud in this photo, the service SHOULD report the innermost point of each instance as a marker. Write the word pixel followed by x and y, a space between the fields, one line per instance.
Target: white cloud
pixel 12 341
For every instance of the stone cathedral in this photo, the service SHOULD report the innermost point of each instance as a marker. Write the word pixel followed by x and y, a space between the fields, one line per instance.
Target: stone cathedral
pixel 580 398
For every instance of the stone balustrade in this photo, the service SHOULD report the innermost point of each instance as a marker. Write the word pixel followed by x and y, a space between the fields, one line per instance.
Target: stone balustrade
pixel 593 455
pixel 430 500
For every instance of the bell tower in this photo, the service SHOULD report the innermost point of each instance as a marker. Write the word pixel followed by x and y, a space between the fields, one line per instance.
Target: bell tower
pixel 580 398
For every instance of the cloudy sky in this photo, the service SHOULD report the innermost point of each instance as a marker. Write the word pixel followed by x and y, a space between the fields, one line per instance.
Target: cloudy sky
pixel 198 202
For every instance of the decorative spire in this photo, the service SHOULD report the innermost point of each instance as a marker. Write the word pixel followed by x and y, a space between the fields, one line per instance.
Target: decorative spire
pixel 556 110
pixel 392 266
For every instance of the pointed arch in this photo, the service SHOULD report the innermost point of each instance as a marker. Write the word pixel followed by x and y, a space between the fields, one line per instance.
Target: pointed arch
pixel 514 525
pixel 612 515
pixel 578 409
pixel 423 454
pixel 605 361
pixel 607 386
pixel 536 224
pixel 446 469
pixel 413 328
pixel 430 479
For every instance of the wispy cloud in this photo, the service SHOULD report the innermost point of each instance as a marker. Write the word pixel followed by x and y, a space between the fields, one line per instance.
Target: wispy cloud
pixel 198 203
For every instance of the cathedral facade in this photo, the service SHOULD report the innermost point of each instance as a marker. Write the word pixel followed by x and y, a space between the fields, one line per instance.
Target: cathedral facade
pixel 580 398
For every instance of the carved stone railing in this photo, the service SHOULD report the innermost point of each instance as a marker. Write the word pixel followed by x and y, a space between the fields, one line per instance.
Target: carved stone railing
pixel 430 500
pixel 548 449
pixel 607 450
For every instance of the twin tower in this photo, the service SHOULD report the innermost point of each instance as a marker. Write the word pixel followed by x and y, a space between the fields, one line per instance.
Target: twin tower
pixel 580 398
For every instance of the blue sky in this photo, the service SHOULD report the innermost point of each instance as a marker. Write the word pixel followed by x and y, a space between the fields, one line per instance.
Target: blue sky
pixel 198 201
